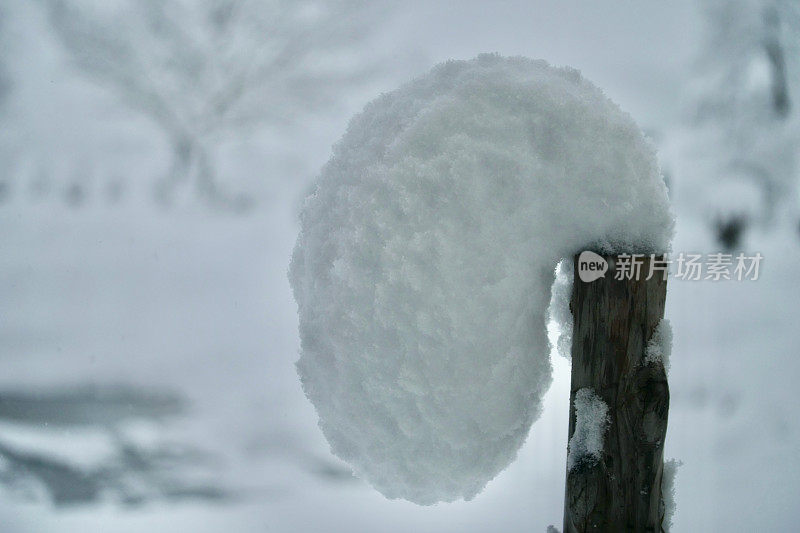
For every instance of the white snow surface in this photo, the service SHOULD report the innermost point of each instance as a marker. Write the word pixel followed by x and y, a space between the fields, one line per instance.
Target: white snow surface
pixel 659 347
pixel 591 422
pixel 426 255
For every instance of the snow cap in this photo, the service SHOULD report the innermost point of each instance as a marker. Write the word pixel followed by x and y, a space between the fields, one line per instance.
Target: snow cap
pixel 423 268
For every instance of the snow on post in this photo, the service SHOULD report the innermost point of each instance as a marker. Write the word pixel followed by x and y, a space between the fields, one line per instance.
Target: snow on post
pixel 659 347
pixel 426 255
pixel 591 422
pixel 668 491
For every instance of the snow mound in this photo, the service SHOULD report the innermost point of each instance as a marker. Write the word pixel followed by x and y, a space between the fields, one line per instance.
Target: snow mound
pixel 591 421
pixel 426 254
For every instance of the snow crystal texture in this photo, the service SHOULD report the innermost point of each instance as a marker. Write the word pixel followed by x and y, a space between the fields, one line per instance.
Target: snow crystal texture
pixel 559 311
pixel 591 422
pixel 668 491
pixel 659 347
pixel 426 254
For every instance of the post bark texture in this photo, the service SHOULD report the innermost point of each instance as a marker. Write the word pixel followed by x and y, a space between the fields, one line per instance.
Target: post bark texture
pixel 613 322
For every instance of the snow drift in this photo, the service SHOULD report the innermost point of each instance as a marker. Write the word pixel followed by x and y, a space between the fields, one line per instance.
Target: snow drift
pixel 426 255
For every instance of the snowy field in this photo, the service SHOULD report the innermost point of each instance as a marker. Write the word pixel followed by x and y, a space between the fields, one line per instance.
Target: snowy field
pixel 147 378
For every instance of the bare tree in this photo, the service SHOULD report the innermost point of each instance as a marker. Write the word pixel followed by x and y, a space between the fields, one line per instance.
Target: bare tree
pixel 201 69
pixel 746 104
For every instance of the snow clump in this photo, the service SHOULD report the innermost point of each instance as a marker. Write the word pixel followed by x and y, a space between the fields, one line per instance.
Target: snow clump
pixel 668 491
pixel 591 422
pixel 659 347
pixel 559 312
pixel 426 255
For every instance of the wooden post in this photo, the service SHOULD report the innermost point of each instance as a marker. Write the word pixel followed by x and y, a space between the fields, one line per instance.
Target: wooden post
pixel 613 322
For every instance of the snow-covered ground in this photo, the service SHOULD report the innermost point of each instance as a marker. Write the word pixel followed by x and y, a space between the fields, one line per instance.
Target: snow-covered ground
pixel 147 355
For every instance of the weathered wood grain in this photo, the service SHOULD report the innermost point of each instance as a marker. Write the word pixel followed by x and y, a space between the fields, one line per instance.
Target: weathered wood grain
pixel 613 321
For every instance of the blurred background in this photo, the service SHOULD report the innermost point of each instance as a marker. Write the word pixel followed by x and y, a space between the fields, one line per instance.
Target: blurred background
pixel 153 158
